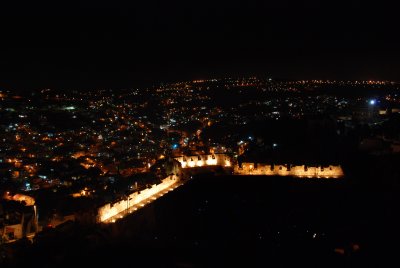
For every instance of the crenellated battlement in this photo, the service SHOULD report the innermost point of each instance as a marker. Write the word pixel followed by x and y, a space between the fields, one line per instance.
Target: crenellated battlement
pixel 247 168
pixel 190 161
pixel 301 171
pixel 110 210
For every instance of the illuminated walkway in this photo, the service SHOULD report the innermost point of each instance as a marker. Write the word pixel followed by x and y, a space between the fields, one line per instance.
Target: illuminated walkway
pixel 143 203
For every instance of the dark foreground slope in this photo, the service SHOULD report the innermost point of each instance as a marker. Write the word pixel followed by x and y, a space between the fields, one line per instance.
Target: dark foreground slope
pixel 248 221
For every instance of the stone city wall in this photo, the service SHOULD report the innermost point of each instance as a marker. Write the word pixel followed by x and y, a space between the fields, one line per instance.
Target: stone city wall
pixel 111 209
pixel 190 161
pixel 301 171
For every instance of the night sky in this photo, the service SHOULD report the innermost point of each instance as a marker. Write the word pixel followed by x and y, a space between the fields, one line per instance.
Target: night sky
pixel 117 46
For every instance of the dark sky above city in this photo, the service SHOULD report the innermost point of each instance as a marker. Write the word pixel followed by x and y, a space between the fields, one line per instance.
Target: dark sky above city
pixel 144 42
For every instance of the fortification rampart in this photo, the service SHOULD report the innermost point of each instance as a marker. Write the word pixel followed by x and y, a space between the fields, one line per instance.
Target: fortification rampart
pixel 190 161
pixel 109 210
pixel 301 171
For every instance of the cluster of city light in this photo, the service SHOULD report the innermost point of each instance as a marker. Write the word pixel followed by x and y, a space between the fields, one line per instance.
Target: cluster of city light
pixel 29 201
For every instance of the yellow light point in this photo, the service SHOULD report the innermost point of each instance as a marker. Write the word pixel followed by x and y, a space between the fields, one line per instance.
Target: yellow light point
pixel 211 162
pixel 200 163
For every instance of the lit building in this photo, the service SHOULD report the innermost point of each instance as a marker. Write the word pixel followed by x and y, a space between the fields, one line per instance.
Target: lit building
pixel 18 218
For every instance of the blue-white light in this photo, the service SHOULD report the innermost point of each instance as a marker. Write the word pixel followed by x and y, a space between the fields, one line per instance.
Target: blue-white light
pixel 372 102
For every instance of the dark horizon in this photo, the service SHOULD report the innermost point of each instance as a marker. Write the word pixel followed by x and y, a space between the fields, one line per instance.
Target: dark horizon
pixel 102 46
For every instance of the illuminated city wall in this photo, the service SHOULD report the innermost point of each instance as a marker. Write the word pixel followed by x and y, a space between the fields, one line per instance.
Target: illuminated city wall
pixel 297 171
pixel 191 161
pixel 111 209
